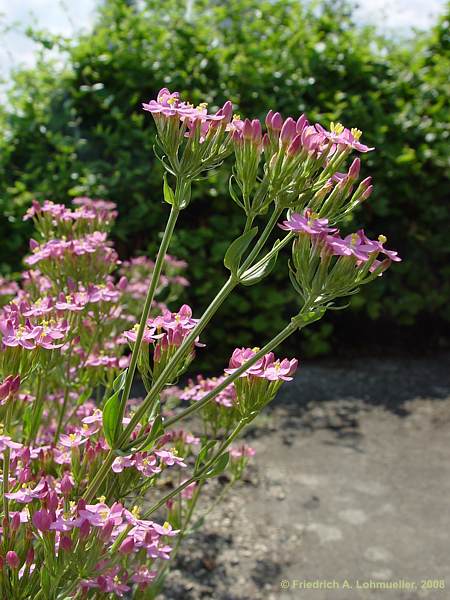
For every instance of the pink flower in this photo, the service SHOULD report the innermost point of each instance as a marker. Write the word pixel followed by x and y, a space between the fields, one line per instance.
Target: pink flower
pixel 276 370
pixel 73 440
pixel 98 514
pixel 203 386
pixel 307 223
pixel 242 451
pixel 340 135
pixel 12 559
pixel 42 520
pixel 122 462
pixel 169 458
pixel 147 465
pixel 6 442
pixel 169 104
pixel 143 577
pixel 266 367
pixel 9 388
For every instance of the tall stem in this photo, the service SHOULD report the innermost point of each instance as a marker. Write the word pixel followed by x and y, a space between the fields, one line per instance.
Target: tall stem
pixel 109 459
pixel 182 351
pixel 223 446
pixel 284 334
pixel 170 226
pixel 262 239
pixel 6 458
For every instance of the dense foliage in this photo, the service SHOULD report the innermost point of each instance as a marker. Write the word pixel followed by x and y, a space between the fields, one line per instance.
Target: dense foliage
pixel 79 130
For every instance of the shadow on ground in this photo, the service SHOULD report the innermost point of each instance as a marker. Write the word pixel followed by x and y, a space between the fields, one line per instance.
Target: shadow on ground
pixel 350 483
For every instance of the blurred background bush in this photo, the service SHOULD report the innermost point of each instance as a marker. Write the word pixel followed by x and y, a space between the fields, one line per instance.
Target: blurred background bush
pixel 76 128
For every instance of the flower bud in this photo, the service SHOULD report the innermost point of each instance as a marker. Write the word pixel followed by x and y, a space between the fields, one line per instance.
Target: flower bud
pixel 288 131
pixel 227 111
pixel 42 520
pixel 366 193
pixel 123 282
pixel 107 529
pixel 15 522
pixel 127 546
pixel 256 130
pixel 65 543
pixel 247 130
pixel 66 485
pixel 277 122
pixel 30 556
pixel 353 171
pixel 85 529
pixel 295 145
pixel 12 560
pixel 52 501
pixel 268 119
pixel 302 122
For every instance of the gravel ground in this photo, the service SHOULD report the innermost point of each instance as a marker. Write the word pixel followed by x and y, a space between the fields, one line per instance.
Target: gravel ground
pixel 348 494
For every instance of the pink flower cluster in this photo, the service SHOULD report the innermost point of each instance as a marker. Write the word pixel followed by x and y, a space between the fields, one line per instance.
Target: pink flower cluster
pixel 60 249
pixel 197 391
pixel 169 105
pixel 28 335
pixel 328 240
pixel 267 367
pixel 293 136
pixel 166 330
pixel 100 211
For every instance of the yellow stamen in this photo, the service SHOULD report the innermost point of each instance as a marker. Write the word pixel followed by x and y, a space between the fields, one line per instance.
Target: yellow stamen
pixel 337 128
pixel 356 133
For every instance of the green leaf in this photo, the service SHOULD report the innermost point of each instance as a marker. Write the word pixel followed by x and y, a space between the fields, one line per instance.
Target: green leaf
pixel 169 196
pixel 119 381
pixel 111 416
pixel 202 455
pixel 237 248
pixel 156 432
pixel 219 467
pixel 258 272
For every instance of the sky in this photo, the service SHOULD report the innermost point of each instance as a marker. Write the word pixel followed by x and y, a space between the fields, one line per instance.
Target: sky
pixel 68 16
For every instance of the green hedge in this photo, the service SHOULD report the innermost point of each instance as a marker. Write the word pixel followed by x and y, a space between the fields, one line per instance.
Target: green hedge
pixel 80 130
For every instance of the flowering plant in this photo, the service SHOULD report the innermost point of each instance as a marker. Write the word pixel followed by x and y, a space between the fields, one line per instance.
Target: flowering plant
pixel 99 488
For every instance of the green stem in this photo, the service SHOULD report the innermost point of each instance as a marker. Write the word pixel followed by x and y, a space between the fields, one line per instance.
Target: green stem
pixel 284 334
pixel 179 355
pixel 37 410
pixel 262 239
pixel 180 537
pixel 281 244
pixel 109 459
pixel 182 351
pixel 200 475
pixel 6 458
pixel 158 385
pixel 170 226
